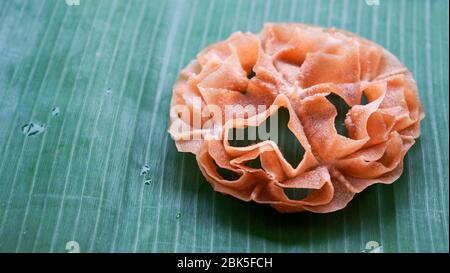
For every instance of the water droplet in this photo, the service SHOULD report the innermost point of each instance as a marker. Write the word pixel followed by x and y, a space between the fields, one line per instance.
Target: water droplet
pixel 55 111
pixel 145 172
pixel 108 91
pixel 32 129
pixel 145 169
pixel 178 215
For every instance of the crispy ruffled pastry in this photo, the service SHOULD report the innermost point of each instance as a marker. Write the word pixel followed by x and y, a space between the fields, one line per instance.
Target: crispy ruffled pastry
pixel 296 66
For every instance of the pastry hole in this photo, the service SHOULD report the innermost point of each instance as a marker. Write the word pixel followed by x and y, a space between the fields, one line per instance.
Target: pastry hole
pixel 288 143
pixel 254 163
pixel 297 193
pixel 226 173
pixel 364 99
pixel 342 109
pixel 273 128
pixel 243 137
pixel 251 74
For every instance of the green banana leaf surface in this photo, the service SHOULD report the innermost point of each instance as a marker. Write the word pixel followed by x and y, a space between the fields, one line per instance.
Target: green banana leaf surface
pixel 87 165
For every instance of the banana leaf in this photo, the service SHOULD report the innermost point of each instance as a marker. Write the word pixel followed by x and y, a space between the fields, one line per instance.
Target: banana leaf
pixel 87 165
